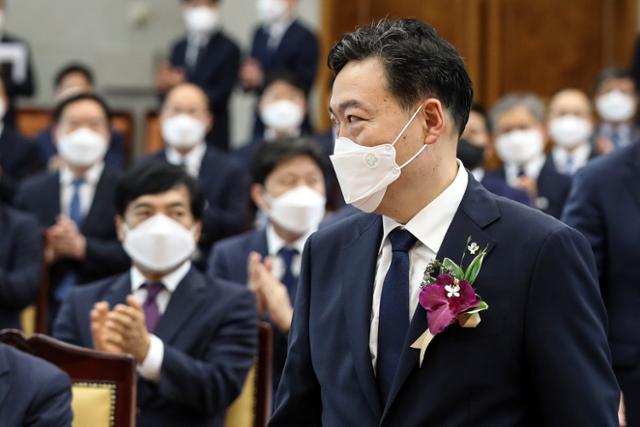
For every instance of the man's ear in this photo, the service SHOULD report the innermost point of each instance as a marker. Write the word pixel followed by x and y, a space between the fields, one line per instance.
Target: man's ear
pixel 258 196
pixel 120 227
pixel 435 119
pixel 197 230
pixel 210 121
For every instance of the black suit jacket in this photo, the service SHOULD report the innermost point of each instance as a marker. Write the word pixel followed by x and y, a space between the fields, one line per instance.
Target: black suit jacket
pixel 18 159
pixel 538 358
pixel 216 72
pixel 605 206
pixel 33 392
pixel 553 188
pixel 17 89
pixel 40 196
pixel 226 189
pixel 209 331
pixel 20 264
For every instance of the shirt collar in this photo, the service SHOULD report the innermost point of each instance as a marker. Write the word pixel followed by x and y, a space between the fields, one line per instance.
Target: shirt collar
pixel 91 176
pixel 192 160
pixel 532 168
pixel 430 225
pixel 279 27
pixel 275 242
pixel 580 155
pixel 170 281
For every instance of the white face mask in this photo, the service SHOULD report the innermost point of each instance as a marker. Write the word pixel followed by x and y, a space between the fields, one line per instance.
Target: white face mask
pixel 299 210
pixel 201 20
pixel 520 146
pixel 569 131
pixel 282 115
pixel 364 173
pixel 616 106
pixel 269 11
pixel 183 131
pixel 82 147
pixel 159 244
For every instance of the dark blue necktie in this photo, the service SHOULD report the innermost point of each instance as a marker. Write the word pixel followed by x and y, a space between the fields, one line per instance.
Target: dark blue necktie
pixel 394 311
pixel 288 278
pixel 75 207
pixel 75 213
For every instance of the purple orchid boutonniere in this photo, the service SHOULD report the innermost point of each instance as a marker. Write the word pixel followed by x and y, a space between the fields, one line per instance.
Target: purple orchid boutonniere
pixel 448 296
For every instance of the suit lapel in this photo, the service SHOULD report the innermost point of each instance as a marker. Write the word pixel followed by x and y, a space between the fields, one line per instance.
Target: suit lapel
pixel 358 265
pixel 477 210
pixel 5 373
pixel 183 303
pixel 97 204
pixel 633 172
pixel 51 199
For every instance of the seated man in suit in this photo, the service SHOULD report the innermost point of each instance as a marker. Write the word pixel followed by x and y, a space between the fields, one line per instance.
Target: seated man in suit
pixel 193 337
pixel 605 206
pixel 281 42
pixel 184 120
pixel 18 155
pixel 472 152
pixel 517 123
pixel 616 100
pixel 20 264
pixel 33 392
pixel 368 303
pixel 72 79
pixel 207 57
pixel 570 127
pixel 288 187
pixel 75 204
pixel 17 85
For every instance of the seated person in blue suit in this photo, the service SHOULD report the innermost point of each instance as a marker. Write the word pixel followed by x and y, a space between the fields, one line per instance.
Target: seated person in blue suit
pixel 605 206
pixel 33 392
pixel 288 186
pixel 185 119
pixel 570 125
pixel 18 155
pixel 473 148
pixel 207 57
pixel 20 264
pixel 517 124
pixel 75 204
pixel 193 337
pixel 616 99
pixel 72 79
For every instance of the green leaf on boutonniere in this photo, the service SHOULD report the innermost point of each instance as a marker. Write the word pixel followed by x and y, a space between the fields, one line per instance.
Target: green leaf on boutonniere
pixel 454 269
pixel 482 307
pixel 474 268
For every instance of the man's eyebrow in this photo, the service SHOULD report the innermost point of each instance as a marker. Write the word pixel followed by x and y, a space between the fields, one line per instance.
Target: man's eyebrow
pixel 348 104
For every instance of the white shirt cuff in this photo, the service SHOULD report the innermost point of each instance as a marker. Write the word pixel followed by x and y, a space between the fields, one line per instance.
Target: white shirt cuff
pixel 152 363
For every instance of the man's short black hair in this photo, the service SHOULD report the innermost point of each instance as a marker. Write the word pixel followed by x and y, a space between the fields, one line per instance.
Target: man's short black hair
pixel 269 155
pixel 609 73
pixel 62 105
pixel 155 176
pixel 418 63
pixel 283 75
pixel 71 68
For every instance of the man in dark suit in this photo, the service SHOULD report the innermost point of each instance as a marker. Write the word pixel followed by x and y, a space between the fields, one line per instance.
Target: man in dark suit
pixel 207 57
pixel 539 356
pixel 75 204
pixel 33 392
pixel 72 79
pixel 192 336
pixel 517 124
pixel 472 151
pixel 286 174
pixel 17 84
pixel 20 264
pixel 184 120
pixel 605 206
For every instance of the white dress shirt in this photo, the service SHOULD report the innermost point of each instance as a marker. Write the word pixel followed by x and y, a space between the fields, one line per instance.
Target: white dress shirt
pixel 191 161
pixel 275 243
pixel 150 366
pixel 87 188
pixel 195 42
pixel 531 168
pixel 276 32
pixel 429 226
pixel 580 157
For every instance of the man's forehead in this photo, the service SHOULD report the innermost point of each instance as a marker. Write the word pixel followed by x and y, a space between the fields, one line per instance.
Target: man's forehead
pixel 359 83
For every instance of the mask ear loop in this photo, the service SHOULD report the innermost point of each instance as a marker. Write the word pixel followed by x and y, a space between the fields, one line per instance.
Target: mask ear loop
pixel 402 133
